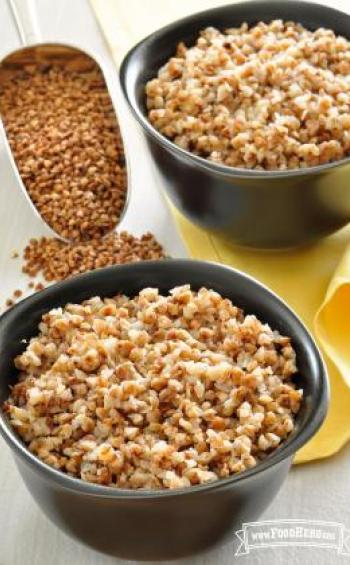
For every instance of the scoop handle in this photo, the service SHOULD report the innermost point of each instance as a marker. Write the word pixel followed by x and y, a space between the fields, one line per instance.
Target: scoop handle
pixel 25 18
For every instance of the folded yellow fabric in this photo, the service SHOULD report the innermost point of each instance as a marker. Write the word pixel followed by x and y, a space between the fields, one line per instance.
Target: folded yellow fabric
pixel 332 321
pixel 314 281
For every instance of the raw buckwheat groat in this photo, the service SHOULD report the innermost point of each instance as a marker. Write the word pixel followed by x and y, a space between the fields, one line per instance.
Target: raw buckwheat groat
pixel 154 391
pixel 57 260
pixel 272 96
pixel 66 142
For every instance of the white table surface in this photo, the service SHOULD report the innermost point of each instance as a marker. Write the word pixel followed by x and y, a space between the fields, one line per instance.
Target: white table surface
pixel 319 491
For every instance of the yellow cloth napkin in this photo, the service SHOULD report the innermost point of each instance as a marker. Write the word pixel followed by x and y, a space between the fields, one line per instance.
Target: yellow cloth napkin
pixel 314 281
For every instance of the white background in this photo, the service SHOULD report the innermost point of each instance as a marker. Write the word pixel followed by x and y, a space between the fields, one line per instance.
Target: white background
pixel 318 491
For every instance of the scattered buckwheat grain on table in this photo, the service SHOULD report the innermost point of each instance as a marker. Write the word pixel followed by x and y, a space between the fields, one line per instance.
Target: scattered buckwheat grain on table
pixel 57 260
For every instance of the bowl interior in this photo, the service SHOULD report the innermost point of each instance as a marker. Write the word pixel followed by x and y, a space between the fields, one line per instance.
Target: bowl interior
pixel 144 60
pixel 21 322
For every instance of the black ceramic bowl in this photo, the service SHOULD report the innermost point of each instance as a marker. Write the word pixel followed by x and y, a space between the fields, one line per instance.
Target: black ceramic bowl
pixel 271 209
pixel 161 524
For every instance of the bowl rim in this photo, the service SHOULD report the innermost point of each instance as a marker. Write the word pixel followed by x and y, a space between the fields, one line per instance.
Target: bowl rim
pixel 218 168
pixel 285 451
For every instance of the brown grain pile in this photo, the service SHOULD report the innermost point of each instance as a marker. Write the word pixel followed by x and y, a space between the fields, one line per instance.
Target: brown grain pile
pixel 57 260
pixel 154 391
pixel 272 96
pixel 64 136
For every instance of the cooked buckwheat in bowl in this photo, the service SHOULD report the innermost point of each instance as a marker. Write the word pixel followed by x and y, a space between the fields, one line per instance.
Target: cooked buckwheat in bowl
pixel 248 107
pixel 268 96
pixel 157 393
pixel 154 391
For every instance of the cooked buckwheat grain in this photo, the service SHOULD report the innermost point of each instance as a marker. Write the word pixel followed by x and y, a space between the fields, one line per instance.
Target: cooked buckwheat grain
pixel 273 96
pixel 154 391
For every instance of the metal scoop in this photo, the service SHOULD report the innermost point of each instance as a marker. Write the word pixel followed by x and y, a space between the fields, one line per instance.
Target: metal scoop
pixel 36 52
